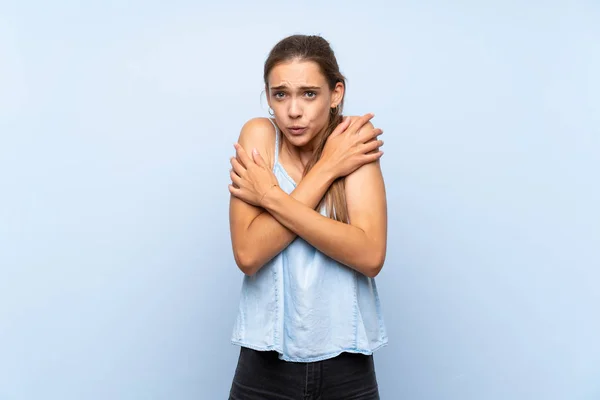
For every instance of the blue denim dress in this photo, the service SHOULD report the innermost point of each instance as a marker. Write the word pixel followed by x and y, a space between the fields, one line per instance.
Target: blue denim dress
pixel 305 305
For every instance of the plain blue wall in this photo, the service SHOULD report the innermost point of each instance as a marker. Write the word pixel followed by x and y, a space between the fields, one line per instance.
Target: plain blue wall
pixel 116 123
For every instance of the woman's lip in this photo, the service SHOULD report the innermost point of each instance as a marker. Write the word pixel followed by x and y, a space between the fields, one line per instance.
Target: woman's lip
pixel 297 131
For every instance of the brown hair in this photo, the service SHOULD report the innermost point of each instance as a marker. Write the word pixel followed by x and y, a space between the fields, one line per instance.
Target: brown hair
pixel 315 48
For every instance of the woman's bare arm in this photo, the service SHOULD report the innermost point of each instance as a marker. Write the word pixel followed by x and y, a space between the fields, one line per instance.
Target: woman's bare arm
pixel 361 244
pixel 256 236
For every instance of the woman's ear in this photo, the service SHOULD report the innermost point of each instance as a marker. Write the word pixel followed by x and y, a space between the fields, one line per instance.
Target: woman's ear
pixel 337 95
pixel 268 96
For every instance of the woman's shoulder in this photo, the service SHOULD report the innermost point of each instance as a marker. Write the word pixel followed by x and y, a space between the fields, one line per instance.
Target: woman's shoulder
pixel 353 119
pixel 258 133
pixel 368 171
pixel 258 130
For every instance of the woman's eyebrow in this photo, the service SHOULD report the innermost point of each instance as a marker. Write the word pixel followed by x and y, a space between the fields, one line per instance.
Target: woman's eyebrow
pixel 281 87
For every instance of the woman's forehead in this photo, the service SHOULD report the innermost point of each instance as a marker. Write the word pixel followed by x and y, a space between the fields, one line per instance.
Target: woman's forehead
pixel 296 74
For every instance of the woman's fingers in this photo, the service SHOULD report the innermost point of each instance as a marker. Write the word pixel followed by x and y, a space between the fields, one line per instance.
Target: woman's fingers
pixel 372 146
pixel 258 159
pixel 375 132
pixel 341 127
pixel 234 191
pixel 360 122
pixel 370 157
pixel 237 167
pixel 242 155
pixel 235 179
pixel 370 134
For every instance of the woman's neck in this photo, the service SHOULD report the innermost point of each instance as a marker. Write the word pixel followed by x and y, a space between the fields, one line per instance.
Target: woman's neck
pixel 299 156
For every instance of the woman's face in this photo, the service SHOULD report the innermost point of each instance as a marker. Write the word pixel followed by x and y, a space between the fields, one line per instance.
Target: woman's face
pixel 301 100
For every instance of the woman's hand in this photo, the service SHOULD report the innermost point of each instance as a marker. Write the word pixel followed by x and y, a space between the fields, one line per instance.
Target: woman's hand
pixel 350 147
pixel 251 177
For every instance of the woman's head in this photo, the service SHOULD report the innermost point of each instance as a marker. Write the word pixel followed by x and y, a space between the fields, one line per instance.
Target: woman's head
pixel 305 88
pixel 306 91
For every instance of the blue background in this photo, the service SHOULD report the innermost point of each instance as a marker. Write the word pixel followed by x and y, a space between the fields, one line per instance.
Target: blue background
pixel 117 119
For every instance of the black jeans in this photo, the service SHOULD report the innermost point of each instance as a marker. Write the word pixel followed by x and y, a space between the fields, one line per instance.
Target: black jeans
pixel 261 375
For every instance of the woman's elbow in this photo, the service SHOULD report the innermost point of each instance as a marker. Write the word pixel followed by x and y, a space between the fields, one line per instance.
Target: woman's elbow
pixel 373 271
pixel 375 264
pixel 246 262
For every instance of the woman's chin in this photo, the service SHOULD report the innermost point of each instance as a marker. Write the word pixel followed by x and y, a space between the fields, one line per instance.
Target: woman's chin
pixel 299 140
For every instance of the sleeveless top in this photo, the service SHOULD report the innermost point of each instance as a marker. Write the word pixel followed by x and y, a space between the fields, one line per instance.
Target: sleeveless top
pixel 305 305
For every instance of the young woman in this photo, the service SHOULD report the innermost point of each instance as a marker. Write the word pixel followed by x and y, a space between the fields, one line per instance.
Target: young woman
pixel 308 226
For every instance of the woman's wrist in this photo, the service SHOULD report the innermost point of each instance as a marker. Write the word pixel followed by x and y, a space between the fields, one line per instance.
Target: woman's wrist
pixel 325 171
pixel 321 174
pixel 271 197
pixel 261 201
